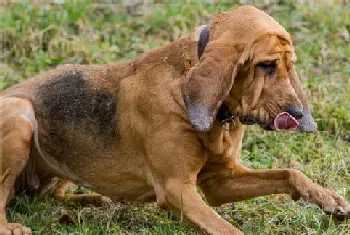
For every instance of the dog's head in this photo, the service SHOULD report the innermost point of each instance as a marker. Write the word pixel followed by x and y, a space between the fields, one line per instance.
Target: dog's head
pixel 249 64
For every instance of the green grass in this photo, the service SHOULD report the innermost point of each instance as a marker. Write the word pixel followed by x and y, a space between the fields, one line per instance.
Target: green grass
pixel 38 37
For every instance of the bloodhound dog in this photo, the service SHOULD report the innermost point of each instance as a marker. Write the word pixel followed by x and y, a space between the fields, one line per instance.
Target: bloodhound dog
pixel 157 126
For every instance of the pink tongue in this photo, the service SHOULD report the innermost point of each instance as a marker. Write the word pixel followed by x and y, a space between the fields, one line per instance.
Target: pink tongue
pixel 284 121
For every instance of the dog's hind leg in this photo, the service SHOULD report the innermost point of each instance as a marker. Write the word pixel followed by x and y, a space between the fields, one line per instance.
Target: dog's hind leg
pixel 16 130
pixel 63 185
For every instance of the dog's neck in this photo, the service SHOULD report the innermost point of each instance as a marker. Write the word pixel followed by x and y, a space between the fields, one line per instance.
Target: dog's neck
pixel 176 55
pixel 224 114
pixel 220 141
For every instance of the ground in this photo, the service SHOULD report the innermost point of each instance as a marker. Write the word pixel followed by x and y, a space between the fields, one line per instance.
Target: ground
pixel 36 37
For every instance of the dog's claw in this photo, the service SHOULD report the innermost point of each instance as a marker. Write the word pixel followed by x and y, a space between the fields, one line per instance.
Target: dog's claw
pixel 340 214
pixel 329 201
pixel 333 204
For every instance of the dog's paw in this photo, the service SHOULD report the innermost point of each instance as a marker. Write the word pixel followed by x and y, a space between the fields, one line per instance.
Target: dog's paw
pixel 329 201
pixel 338 207
pixel 14 229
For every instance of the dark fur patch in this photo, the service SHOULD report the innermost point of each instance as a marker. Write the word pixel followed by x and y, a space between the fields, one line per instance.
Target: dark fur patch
pixel 68 104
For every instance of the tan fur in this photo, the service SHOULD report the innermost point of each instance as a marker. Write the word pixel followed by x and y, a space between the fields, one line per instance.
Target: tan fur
pixel 160 149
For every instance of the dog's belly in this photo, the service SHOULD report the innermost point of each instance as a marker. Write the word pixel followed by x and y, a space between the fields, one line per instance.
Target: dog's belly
pixel 107 171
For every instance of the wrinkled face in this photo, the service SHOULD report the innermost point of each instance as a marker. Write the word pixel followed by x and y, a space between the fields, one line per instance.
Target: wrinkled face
pixel 262 92
pixel 248 64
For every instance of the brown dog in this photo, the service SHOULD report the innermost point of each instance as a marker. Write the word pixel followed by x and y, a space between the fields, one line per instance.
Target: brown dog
pixel 155 127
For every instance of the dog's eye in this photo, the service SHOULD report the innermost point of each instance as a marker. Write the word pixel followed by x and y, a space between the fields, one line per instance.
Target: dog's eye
pixel 268 67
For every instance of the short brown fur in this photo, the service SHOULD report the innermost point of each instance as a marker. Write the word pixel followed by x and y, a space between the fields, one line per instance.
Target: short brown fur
pixel 145 129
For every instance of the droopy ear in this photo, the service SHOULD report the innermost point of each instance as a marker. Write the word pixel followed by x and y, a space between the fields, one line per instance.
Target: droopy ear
pixel 210 81
pixel 306 123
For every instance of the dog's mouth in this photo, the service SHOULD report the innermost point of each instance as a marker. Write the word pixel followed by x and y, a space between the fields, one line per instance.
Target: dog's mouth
pixel 285 121
pixel 282 122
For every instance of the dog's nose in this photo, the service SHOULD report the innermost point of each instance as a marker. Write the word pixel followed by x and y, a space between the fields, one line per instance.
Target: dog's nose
pixel 295 112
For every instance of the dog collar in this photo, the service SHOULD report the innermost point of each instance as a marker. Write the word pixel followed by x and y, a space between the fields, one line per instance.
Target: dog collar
pixel 203 40
pixel 224 114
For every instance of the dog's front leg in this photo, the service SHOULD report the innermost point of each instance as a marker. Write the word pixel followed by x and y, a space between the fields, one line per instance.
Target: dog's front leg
pixel 183 200
pixel 224 188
